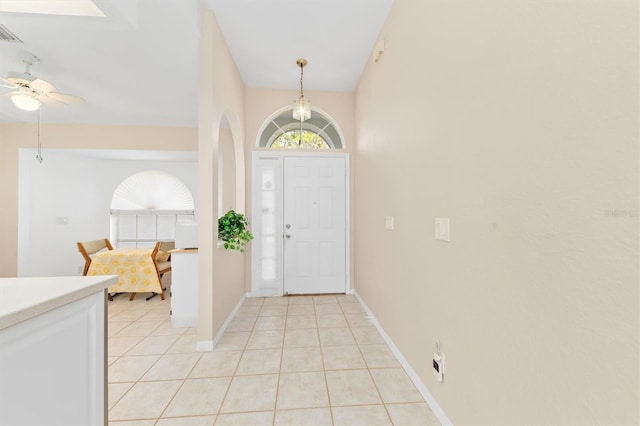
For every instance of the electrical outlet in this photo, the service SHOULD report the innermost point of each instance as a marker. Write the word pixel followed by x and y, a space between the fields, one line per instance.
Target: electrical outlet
pixel 442 228
pixel 437 367
pixel 438 363
pixel 389 223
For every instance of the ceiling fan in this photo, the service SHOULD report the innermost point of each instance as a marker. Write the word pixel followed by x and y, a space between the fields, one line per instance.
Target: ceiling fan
pixel 30 92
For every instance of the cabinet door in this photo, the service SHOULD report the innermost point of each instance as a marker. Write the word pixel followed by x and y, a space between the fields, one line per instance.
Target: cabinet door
pixel 53 369
pixel 184 289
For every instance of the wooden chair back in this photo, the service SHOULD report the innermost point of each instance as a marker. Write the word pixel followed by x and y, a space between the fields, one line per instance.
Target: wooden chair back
pixel 89 248
pixel 162 266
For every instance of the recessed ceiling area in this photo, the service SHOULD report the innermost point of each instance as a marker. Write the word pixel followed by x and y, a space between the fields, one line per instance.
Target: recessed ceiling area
pixel 134 155
pixel 137 65
pixel 52 7
pixel 266 37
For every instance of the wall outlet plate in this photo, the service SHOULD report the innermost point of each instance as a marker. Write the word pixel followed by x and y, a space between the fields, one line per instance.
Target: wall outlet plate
pixel 442 228
pixel 438 367
pixel 389 223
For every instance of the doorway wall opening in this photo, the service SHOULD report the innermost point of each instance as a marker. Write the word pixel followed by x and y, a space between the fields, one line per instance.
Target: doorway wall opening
pixel 300 221
pixel 146 207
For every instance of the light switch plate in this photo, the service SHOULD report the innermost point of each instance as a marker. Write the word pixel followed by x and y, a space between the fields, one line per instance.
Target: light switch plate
pixel 389 223
pixel 442 228
pixel 62 220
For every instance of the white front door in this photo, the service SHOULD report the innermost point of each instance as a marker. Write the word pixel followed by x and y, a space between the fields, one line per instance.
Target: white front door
pixel 314 225
pixel 309 192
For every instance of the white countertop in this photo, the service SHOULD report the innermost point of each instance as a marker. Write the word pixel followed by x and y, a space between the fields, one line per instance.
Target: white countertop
pixel 191 250
pixel 25 298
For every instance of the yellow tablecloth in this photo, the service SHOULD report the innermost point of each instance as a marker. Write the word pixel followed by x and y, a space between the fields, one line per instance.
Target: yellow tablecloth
pixel 134 268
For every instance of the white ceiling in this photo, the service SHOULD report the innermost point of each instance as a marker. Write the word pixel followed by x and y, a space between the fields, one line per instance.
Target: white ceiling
pixel 138 66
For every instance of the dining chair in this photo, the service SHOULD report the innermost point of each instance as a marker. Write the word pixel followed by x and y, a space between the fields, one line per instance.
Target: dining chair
pixel 89 248
pixel 162 261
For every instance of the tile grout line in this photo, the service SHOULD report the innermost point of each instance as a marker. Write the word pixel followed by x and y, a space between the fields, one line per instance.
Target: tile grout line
pixel 120 357
pixel 148 369
pixel 368 370
pixel 235 370
pixel 244 350
pixel 181 385
pixel 324 369
pixel 275 403
pixel 375 384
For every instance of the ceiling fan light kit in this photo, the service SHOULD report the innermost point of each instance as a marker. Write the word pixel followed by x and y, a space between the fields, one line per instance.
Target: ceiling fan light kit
pixel 25 101
pixel 301 106
pixel 31 92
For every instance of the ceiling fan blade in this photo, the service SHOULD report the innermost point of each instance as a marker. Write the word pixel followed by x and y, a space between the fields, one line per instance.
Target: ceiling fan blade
pixel 8 84
pixel 46 100
pixel 42 86
pixel 12 93
pixel 64 98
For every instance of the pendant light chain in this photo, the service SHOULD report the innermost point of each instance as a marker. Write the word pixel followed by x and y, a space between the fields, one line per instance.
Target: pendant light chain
pixel 301 97
pixel 302 64
pixel 39 154
pixel 301 76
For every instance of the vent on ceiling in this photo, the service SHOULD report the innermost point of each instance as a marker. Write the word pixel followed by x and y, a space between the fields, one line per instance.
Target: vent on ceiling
pixel 6 35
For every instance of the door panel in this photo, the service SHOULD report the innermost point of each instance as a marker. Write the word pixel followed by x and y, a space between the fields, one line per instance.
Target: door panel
pixel 266 249
pixel 315 225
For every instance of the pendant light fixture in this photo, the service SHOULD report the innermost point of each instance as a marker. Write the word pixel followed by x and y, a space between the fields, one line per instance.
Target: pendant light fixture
pixel 301 106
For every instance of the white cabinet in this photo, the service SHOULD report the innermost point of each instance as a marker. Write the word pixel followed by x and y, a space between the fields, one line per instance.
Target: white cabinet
pixel 184 288
pixel 53 351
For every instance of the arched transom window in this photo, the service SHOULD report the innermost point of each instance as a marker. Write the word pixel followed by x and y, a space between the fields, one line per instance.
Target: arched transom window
pixel 282 131
pixel 291 139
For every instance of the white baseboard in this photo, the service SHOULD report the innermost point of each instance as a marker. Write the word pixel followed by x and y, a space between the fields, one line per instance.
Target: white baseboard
pixel 180 322
pixel 218 336
pixel 204 346
pixel 429 399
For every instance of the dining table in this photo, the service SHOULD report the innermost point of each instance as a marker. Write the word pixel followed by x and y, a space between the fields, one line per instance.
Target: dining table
pixel 134 267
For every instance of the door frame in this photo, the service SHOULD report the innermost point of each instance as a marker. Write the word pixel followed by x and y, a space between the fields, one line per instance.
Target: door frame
pixel 276 288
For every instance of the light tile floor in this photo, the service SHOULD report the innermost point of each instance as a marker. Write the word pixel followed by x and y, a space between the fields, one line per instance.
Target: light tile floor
pixel 302 360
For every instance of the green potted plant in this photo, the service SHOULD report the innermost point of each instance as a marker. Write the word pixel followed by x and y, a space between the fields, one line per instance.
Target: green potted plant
pixel 233 230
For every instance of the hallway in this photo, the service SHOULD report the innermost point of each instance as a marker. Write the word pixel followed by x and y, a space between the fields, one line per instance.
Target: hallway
pixel 313 360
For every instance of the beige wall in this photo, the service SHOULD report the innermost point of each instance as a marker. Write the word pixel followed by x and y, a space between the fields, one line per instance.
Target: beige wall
pixel 220 94
pixel 262 103
pixel 228 170
pixel 518 120
pixel 229 272
pixel 14 136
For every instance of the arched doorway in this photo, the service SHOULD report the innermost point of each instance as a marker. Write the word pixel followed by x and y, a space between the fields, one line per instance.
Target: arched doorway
pixel 300 207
